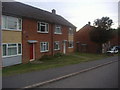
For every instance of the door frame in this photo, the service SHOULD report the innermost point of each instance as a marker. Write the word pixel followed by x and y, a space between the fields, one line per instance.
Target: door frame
pixel 64 46
pixel 33 52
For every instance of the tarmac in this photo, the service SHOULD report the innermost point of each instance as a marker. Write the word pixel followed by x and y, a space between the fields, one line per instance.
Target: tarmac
pixel 37 78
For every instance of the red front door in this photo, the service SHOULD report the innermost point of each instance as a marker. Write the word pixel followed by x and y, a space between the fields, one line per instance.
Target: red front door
pixel 31 51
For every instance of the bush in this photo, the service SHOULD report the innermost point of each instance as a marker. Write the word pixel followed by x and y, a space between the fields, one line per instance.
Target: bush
pixel 58 54
pixel 46 57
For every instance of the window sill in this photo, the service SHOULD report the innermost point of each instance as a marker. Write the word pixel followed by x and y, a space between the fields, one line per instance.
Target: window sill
pixel 70 47
pixel 58 33
pixel 44 51
pixel 56 49
pixel 11 56
pixel 11 30
pixel 43 32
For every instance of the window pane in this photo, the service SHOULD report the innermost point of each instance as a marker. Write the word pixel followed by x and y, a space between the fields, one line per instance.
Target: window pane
pixel 19 24
pixel 4 19
pixel 71 31
pixel 47 27
pixel 12 51
pixel 70 43
pixel 41 46
pixel 19 48
pixel 42 24
pixel 4 50
pixel 58 29
pixel 38 26
pixel 11 44
pixel 12 23
pixel 42 29
pixel 56 45
pixel 46 46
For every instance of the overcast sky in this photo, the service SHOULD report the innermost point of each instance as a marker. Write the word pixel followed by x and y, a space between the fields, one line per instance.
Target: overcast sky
pixel 79 12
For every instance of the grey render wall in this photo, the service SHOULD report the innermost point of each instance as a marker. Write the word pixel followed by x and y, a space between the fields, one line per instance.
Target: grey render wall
pixel 8 61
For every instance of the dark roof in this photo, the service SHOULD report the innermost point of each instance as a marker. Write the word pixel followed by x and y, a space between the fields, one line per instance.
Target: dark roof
pixel 23 10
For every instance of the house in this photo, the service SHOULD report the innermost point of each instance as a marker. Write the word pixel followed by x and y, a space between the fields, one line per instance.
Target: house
pixel 84 44
pixel 28 33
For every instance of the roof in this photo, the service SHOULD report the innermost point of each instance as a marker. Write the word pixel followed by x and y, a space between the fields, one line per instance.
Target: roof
pixel 23 10
pixel 85 28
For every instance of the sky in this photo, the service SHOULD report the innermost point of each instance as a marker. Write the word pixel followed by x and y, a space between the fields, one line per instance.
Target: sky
pixel 79 12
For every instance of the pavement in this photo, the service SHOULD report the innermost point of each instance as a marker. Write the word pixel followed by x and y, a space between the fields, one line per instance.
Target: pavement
pixel 34 78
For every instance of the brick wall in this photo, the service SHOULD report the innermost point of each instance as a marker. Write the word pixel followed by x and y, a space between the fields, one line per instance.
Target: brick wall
pixel 30 33
pixel 83 42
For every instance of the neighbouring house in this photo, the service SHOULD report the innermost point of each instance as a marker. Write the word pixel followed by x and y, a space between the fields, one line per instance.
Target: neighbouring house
pixel 84 44
pixel 28 33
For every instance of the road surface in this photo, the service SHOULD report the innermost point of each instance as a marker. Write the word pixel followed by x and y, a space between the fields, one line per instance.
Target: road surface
pixel 102 77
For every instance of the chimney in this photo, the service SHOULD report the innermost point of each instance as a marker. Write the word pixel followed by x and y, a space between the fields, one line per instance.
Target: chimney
pixel 89 23
pixel 54 11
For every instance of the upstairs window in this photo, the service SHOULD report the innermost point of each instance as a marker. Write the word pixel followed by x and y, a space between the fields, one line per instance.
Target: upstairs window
pixel 11 23
pixel 42 27
pixel 58 29
pixel 71 31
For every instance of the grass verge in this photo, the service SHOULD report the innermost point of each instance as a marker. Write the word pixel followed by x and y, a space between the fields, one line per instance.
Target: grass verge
pixel 51 62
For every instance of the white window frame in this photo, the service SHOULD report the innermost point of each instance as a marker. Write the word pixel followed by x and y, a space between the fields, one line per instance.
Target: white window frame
pixel 58 43
pixel 45 43
pixel 39 27
pixel 69 44
pixel 6 28
pixel 58 27
pixel 9 47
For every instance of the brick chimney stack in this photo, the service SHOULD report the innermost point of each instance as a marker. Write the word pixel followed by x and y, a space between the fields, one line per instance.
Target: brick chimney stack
pixel 54 11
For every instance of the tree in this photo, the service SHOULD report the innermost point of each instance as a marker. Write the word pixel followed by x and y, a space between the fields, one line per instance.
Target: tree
pixel 102 31
pixel 104 23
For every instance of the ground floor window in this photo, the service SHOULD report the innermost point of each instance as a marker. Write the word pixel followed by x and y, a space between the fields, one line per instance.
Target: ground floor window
pixel 44 46
pixel 70 44
pixel 11 49
pixel 56 45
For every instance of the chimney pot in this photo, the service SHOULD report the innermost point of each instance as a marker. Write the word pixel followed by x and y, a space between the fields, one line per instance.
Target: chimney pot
pixel 89 23
pixel 54 11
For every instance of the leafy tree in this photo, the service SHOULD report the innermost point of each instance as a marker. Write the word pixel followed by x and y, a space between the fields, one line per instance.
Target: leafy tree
pixel 102 31
pixel 104 23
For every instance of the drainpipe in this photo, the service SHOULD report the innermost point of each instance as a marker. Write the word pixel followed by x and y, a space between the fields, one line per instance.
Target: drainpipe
pixel 52 39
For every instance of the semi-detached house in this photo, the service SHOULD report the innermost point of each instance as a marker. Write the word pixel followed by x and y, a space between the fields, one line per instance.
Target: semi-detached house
pixel 28 33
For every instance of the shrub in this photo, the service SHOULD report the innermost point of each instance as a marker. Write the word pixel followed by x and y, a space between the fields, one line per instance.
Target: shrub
pixel 46 57
pixel 58 54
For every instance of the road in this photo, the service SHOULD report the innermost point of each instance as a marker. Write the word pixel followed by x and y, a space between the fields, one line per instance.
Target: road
pixel 102 77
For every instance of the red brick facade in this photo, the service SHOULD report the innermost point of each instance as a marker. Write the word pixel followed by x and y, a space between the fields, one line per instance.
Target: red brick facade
pixel 30 33
pixel 83 42
pixel 115 40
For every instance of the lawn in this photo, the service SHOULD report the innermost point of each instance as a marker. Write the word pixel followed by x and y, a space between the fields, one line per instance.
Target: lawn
pixel 51 62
